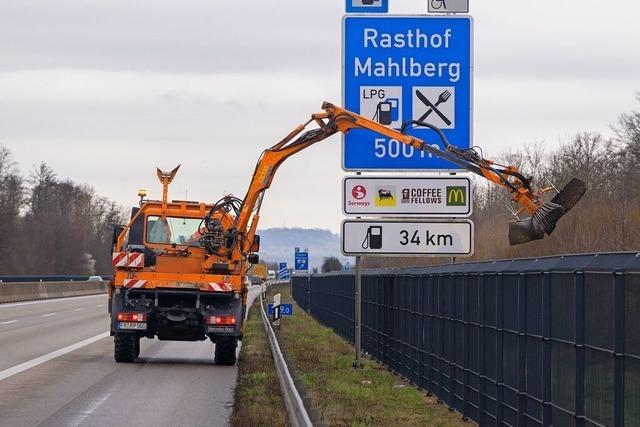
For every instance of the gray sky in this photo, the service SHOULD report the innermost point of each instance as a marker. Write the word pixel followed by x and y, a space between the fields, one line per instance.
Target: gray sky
pixel 105 90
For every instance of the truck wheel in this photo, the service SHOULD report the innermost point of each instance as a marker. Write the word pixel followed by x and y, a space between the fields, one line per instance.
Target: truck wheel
pixel 226 350
pixel 124 349
pixel 137 347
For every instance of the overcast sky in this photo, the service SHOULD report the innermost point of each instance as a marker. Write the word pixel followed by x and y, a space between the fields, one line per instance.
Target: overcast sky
pixel 105 90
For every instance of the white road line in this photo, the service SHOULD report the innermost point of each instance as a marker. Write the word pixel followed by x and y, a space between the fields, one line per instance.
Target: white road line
pixel 100 305
pixel 8 322
pixel 48 314
pixel 78 309
pixel 91 406
pixel 45 358
pixel 50 300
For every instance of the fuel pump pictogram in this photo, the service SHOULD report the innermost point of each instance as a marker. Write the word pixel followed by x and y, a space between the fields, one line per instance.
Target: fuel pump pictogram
pixel 382 104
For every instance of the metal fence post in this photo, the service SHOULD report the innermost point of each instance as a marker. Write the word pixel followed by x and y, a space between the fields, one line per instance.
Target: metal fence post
pixel 546 349
pixel 467 350
pixel 357 332
pixel 309 293
pixel 618 348
pixel 579 348
pixel 482 370
pixel 522 348
pixel 499 349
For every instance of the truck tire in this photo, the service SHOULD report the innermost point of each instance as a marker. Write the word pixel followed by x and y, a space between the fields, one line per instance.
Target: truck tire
pixel 226 351
pixel 124 347
pixel 137 347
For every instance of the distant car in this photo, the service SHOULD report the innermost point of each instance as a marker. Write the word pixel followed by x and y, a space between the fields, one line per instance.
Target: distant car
pixel 94 279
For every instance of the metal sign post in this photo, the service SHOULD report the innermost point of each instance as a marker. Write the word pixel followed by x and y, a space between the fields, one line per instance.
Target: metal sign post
pixel 358 329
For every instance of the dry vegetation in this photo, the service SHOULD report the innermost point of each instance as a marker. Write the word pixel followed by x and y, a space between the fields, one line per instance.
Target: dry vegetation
pixel 606 219
pixel 48 226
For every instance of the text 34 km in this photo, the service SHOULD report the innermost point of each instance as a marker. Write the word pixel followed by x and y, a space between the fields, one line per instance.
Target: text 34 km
pixel 430 239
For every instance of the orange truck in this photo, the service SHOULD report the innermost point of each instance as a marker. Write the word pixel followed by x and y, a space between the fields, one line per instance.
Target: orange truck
pixel 180 267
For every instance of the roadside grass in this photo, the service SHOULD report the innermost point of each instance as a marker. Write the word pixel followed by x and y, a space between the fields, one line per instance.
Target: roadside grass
pixel 257 396
pixel 344 396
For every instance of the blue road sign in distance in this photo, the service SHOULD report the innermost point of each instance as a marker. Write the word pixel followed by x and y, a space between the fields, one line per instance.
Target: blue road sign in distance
pixel 400 68
pixel 283 271
pixel 367 6
pixel 302 260
pixel 285 309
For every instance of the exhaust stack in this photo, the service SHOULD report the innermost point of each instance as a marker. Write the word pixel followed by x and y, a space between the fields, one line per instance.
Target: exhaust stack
pixel 544 220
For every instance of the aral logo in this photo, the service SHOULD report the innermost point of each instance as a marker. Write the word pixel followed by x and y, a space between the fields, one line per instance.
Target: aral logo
pixel 456 196
pixel 385 196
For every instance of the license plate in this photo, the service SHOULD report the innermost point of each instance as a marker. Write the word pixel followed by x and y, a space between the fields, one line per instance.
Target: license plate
pixel 132 325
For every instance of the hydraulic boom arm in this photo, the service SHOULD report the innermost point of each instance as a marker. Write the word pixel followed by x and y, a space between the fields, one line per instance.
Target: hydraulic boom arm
pixel 544 215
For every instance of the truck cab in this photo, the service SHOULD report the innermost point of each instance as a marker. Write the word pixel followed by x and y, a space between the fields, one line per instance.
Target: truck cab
pixel 161 287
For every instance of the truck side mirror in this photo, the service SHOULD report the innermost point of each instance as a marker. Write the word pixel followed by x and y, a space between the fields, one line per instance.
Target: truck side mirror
pixel 253 259
pixel 117 229
pixel 255 246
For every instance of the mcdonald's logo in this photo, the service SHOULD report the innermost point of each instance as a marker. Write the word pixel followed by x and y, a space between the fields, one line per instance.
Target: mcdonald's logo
pixel 456 196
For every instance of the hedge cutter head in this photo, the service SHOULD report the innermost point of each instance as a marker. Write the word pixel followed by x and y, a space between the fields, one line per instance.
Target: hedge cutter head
pixel 546 216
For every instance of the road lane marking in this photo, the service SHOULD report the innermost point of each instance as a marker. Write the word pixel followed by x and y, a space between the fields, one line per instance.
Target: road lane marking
pixel 100 305
pixel 8 322
pixel 78 309
pixel 91 406
pixel 50 300
pixel 45 358
pixel 48 314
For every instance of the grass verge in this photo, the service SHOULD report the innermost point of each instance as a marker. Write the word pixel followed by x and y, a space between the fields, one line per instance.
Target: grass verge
pixel 345 396
pixel 257 397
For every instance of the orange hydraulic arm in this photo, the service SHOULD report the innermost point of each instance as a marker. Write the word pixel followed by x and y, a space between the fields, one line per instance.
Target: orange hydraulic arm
pixel 335 119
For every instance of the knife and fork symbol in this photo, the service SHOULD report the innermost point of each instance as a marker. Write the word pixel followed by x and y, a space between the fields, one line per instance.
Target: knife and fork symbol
pixel 444 97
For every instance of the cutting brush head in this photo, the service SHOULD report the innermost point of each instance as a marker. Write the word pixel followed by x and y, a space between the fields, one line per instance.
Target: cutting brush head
pixel 545 219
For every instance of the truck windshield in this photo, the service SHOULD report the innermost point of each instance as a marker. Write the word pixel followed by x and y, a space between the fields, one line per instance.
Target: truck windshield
pixel 170 230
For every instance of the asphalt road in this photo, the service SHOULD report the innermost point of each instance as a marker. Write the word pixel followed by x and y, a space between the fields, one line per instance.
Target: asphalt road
pixel 57 369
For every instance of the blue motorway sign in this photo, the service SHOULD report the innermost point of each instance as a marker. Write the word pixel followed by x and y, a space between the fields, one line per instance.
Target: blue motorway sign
pixel 367 6
pixel 285 310
pixel 400 68
pixel 302 260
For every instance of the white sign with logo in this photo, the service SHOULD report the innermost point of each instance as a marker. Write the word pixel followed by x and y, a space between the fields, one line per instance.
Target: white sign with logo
pixel 407 237
pixel 448 6
pixel 411 196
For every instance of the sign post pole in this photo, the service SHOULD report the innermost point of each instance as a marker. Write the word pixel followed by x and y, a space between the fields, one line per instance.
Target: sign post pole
pixel 358 318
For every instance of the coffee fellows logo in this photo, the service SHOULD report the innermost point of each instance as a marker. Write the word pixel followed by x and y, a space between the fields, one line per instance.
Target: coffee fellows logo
pixel 456 196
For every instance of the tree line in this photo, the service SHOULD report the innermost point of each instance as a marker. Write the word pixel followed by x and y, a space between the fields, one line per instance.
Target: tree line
pixel 51 226
pixel 606 219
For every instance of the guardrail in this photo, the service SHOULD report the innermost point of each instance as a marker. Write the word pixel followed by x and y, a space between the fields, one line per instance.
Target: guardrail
pixel 27 291
pixel 296 411
pixel 545 341
pixel 16 279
